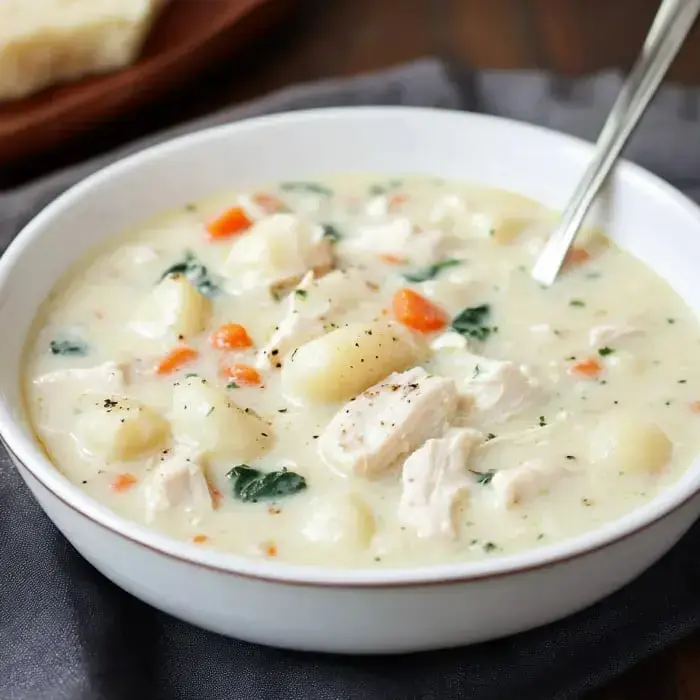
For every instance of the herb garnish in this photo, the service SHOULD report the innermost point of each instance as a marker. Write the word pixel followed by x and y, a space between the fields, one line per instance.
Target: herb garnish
pixel 331 231
pixel 68 347
pixel 301 293
pixel 483 478
pixel 604 352
pixel 431 271
pixel 377 190
pixel 232 385
pixel 489 547
pixel 195 272
pixel 471 322
pixel 252 485
pixel 577 302
pixel 312 187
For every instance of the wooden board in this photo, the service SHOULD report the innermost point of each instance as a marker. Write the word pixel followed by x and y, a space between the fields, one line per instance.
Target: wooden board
pixel 188 37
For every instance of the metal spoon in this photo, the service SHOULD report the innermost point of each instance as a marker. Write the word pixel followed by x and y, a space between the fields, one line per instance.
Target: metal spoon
pixel 669 29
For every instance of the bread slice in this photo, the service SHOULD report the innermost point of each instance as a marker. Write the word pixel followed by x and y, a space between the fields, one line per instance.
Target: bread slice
pixel 47 42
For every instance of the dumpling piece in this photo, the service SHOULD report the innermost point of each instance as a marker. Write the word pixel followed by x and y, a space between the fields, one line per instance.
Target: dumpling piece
pixel 345 521
pixel 308 307
pixel 526 481
pixel 204 417
pixel 435 482
pixel 627 443
pixel 348 360
pixel 179 483
pixel 174 307
pixel 388 421
pixel 278 250
pixel 120 429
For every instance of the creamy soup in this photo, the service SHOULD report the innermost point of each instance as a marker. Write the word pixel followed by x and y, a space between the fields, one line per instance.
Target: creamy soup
pixel 360 371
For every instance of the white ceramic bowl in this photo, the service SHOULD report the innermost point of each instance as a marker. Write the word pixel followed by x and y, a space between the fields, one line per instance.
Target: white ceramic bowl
pixel 331 609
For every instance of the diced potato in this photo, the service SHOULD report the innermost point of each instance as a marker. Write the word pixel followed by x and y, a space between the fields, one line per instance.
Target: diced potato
pixel 629 444
pixel 121 429
pixel 174 306
pixel 277 252
pixel 204 417
pixel 506 229
pixel 346 521
pixel 346 361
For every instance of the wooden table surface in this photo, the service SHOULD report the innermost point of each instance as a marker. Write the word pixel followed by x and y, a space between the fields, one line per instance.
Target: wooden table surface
pixel 346 37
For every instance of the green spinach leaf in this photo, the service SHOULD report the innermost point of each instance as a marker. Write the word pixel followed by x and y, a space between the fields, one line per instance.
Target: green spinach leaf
pixel 309 187
pixel 472 322
pixel 331 231
pixel 195 272
pixel 252 485
pixel 377 190
pixel 431 271
pixel 69 347
pixel 483 478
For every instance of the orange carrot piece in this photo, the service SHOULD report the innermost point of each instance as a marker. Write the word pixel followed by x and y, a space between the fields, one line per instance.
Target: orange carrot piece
pixel 175 359
pixel 200 539
pixel 590 368
pixel 392 259
pixel 270 549
pixel 243 374
pixel 123 482
pixel 396 200
pixel 230 336
pixel 415 311
pixel 695 407
pixel 230 223
pixel 269 202
pixel 576 256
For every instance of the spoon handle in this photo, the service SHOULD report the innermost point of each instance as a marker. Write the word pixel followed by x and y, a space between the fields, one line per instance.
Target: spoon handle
pixel 671 25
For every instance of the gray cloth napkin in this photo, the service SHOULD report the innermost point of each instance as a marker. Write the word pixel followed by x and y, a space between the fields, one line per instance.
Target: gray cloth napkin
pixel 66 633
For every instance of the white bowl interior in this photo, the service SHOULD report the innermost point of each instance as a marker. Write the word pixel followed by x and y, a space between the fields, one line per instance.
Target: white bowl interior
pixel 643 214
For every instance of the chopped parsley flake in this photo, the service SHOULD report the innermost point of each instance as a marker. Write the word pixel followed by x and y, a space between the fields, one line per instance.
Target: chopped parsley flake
pixel 232 385
pixel 604 352
pixel 300 293
pixel 577 302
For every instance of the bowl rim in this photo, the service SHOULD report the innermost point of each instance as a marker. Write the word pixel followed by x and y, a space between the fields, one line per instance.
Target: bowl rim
pixel 28 453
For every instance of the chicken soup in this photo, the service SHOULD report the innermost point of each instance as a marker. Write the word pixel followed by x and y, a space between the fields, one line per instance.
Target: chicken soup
pixel 360 371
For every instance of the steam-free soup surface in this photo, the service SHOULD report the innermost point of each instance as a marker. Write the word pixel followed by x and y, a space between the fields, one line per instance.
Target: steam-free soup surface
pixel 359 371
